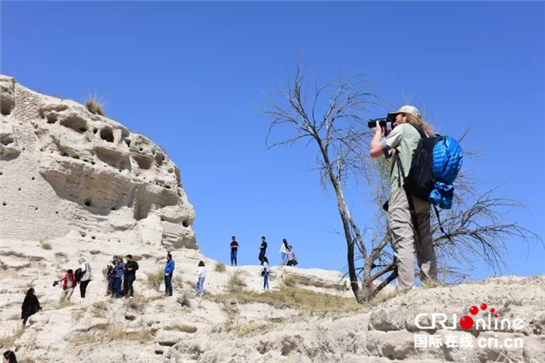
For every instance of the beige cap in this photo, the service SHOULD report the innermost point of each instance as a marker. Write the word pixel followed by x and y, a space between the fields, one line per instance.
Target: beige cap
pixel 407 109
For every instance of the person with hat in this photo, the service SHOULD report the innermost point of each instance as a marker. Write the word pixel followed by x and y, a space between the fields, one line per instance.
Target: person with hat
pixel 407 229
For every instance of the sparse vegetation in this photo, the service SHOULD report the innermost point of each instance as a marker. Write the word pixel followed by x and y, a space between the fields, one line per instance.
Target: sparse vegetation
pixel 220 267
pixel 7 342
pixel 236 283
pixel 155 279
pixel 110 333
pixel 382 297
pixel 182 328
pixel 178 282
pixel 78 314
pixel 242 330
pixel 99 309
pixel 64 304
pixel 45 245
pixel 301 299
pixel 60 254
pixel 94 105
pixel 289 280
pixel 185 300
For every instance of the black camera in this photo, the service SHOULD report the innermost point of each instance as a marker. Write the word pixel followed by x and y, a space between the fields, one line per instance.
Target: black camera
pixel 386 123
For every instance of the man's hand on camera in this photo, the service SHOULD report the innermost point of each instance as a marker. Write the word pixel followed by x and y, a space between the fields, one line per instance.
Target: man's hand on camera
pixel 376 143
pixel 379 130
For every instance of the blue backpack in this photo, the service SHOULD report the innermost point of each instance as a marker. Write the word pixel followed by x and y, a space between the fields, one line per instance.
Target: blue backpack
pixel 434 167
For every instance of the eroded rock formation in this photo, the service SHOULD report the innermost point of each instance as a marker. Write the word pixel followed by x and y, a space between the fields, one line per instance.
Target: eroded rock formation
pixel 66 171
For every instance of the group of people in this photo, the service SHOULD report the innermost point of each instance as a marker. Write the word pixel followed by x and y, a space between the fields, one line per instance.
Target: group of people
pixel 120 277
pixel 286 251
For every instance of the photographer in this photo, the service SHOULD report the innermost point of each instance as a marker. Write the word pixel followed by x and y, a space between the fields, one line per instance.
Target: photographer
pixel 401 144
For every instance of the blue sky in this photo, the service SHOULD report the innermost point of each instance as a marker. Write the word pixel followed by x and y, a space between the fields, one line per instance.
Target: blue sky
pixel 186 74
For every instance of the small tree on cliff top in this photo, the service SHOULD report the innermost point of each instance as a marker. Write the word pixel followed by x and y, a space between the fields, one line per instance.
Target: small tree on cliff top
pixel 473 228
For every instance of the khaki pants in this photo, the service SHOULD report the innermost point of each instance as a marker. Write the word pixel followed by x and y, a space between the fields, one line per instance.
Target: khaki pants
pixel 66 294
pixel 406 241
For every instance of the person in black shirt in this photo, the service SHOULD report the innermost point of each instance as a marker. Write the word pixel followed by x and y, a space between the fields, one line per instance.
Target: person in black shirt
pixel 31 305
pixel 262 249
pixel 129 275
pixel 234 250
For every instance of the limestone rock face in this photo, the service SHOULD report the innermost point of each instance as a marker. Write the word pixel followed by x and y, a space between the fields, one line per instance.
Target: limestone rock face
pixel 64 169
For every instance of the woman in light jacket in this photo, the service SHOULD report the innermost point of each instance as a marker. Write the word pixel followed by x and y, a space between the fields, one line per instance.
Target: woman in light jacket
pixel 265 273
pixel 201 274
pixel 284 251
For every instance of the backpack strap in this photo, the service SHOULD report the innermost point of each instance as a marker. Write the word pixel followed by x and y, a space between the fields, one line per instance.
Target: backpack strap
pixel 412 210
pixel 420 131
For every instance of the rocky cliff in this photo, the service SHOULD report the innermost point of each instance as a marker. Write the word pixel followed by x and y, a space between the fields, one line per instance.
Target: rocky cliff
pixel 67 172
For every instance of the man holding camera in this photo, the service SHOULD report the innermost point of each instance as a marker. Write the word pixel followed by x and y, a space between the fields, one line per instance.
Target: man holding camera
pixel 408 219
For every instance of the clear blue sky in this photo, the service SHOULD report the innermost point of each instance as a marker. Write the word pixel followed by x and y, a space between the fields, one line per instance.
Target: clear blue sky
pixel 186 74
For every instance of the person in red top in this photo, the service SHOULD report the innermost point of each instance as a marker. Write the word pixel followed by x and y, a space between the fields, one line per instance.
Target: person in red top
pixel 68 285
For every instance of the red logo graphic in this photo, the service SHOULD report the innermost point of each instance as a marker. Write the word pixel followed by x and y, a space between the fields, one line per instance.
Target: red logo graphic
pixel 466 322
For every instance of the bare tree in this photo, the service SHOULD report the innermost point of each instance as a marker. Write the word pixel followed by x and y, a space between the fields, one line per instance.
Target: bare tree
pixel 341 136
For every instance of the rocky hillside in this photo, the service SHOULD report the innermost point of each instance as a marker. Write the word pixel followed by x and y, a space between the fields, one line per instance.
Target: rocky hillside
pixel 76 184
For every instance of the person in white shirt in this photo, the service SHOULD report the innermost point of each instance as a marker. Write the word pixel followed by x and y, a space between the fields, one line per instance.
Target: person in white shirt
pixel 284 251
pixel 201 274
pixel 265 273
pixel 85 278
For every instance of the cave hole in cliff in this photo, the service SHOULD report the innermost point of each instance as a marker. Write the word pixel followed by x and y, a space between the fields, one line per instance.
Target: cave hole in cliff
pixel 93 237
pixel 159 158
pixel 107 134
pixel 6 140
pixel 75 123
pixel 95 130
pixel 143 162
pixel 128 142
pixel 33 178
pixel 51 118
pixel 185 223
pixel 87 202
pixel 4 204
pixel 141 211
pixel 6 105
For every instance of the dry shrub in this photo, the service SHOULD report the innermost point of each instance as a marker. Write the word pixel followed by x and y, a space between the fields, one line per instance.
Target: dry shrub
pixel 178 281
pixel 289 280
pixel 236 283
pixel 155 279
pixel 94 105
pixel 7 342
pixel 182 328
pixel 99 309
pixel 64 304
pixel 45 245
pixel 185 300
pixel 220 267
